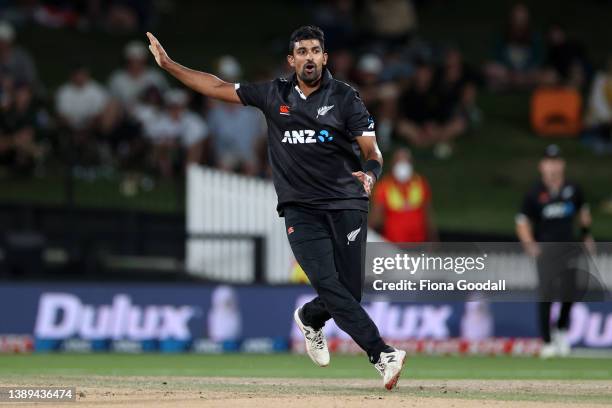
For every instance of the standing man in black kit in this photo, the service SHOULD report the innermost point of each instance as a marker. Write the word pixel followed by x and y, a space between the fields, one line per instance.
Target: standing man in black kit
pixel 317 128
pixel 550 212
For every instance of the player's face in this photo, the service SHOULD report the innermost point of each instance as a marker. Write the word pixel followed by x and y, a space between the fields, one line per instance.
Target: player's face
pixel 308 60
pixel 552 171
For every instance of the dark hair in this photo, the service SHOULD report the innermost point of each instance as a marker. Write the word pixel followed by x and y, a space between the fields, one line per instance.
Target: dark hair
pixel 308 32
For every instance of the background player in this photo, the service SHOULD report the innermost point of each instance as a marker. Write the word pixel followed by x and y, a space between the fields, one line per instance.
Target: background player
pixel 316 128
pixel 549 214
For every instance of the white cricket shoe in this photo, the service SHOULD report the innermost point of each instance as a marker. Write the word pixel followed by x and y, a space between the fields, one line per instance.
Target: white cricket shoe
pixel 560 340
pixel 316 345
pixel 390 367
pixel 549 350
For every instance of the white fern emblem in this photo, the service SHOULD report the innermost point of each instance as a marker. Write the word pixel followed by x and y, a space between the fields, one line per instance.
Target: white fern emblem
pixel 323 110
pixel 351 236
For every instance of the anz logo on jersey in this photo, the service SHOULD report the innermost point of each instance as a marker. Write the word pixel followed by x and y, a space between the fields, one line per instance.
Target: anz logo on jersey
pixel 558 210
pixel 306 136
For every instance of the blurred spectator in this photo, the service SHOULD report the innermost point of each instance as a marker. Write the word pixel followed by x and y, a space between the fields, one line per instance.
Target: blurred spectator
pixel 401 207
pixel 367 80
pixel 127 84
pixel 148 109
pixel 518 54
pixel 19 147
pixel 424 118
pixel 341 64
pixel 178 135
pixel 236 131
pixel 457 84
pixel 85 113
pixel 389 23
pixel 566 61
pixel 598 121
pixel 336 19
pixel 380 98
pixel 15 62
pixel 126 15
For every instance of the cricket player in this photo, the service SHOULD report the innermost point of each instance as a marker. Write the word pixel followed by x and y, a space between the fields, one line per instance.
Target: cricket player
pixel 317 129
pixel 550 212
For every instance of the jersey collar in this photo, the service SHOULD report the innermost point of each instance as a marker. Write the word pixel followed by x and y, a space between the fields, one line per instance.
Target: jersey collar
pixel 326 77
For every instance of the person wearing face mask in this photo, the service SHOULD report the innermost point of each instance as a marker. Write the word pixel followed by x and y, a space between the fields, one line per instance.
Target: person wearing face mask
pixel 401 209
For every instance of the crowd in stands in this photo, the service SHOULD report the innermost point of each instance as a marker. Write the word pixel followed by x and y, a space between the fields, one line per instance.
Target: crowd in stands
pixel 135 122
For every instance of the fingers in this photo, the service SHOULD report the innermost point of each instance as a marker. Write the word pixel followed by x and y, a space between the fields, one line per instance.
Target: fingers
pixel 154 42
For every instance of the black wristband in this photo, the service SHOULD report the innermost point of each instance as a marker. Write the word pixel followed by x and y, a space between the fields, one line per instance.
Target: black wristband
pixel 373 166
pixel 585 231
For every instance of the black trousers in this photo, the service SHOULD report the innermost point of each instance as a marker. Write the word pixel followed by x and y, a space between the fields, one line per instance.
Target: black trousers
pixel 557 275
pixel 329 245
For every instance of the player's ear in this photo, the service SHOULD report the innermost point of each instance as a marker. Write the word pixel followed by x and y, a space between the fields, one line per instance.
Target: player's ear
pixel 291 61
pixel 324 58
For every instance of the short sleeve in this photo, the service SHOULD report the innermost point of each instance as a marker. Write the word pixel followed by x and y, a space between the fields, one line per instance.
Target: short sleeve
pixel 255 94
pixel 528 207
pixel 358 120
pixel 579 200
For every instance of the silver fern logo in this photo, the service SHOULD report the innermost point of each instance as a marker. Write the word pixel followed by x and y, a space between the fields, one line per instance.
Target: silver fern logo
pixel 322 111
pixel 351 236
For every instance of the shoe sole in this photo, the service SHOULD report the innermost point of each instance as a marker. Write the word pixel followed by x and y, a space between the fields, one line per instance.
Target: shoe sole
pixel 393 382
pixel 296 317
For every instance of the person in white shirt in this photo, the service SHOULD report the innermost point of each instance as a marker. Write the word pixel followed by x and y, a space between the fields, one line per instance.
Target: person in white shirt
pixel 176 132
pixel 83 108
pixel 128 84
pixel 237 132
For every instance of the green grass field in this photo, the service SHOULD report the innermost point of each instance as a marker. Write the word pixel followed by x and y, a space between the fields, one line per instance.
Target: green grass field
pixel 292 366
pixel 280 380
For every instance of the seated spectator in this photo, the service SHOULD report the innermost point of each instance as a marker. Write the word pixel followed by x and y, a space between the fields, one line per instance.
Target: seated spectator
pixel 127 84
pixel 367 79
pixel 401 208
pixel 127 15
pixel 148 109
pixel 341 64
pixel 566 62
pixel 15 62
pixel 19 147
pixel 457 84
pixel 178 135
pixel 85 113
pixel 423 118
pixel 236 131
pixel 518 54
pixel 336 19
pixel 389 23
pixel 598 120
pixel 380 98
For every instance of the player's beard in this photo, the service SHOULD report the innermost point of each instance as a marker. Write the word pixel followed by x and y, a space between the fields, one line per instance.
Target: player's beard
pixel 310 78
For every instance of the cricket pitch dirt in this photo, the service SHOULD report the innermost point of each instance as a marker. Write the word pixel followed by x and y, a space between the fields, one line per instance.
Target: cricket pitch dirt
pixel 125 391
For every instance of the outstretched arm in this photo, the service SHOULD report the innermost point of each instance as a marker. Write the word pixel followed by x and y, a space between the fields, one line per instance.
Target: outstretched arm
pixel 202 82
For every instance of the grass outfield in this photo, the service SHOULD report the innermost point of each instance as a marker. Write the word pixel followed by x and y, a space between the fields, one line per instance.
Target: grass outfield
pixel 284 381
pixel 293 366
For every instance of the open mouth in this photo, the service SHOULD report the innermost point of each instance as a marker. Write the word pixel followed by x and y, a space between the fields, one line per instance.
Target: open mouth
pixel 309 68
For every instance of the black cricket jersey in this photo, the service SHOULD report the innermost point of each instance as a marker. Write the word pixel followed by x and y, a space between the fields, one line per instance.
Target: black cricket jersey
pixel 312 141
pixel 553 216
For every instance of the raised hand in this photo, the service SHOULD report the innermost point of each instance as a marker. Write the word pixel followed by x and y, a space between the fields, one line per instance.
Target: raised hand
pixel 161 57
